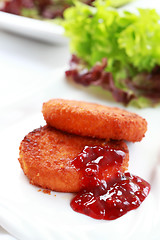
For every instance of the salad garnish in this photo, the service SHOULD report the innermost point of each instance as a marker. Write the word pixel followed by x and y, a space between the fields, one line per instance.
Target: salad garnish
pixel 127 42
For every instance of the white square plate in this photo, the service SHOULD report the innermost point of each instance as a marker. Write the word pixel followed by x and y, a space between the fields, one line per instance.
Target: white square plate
pixel 27 213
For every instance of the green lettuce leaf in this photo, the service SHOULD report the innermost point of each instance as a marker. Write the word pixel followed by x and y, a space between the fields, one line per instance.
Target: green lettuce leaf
pixel 129 41
pixel 30 12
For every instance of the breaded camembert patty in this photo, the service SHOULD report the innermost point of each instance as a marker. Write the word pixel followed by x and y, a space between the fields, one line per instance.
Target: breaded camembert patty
pixel 47 154
pixel 94 120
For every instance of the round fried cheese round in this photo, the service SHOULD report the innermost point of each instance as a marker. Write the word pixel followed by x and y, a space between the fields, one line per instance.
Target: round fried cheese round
pixel 94 120
pixel 46 157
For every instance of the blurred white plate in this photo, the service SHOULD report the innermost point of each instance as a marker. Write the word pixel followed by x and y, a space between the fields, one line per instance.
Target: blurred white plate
pixel 33 28
pixel 28 214
pixel 50 32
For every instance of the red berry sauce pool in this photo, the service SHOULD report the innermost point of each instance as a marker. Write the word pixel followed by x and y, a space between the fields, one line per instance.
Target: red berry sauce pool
pixel 106 199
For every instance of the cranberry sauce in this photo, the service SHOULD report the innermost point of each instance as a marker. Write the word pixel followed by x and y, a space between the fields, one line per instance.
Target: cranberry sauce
pixel 110 198
pixel 98 162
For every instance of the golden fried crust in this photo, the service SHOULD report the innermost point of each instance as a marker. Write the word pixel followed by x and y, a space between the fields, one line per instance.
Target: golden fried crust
pixel 88 119
pixel 46 158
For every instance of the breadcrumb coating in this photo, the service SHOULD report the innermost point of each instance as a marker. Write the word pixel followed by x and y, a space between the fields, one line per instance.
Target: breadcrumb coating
pixel 94 120
pixel 46 156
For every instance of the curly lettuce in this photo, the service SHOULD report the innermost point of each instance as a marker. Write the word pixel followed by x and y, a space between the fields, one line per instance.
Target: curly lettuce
pixel 129 42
